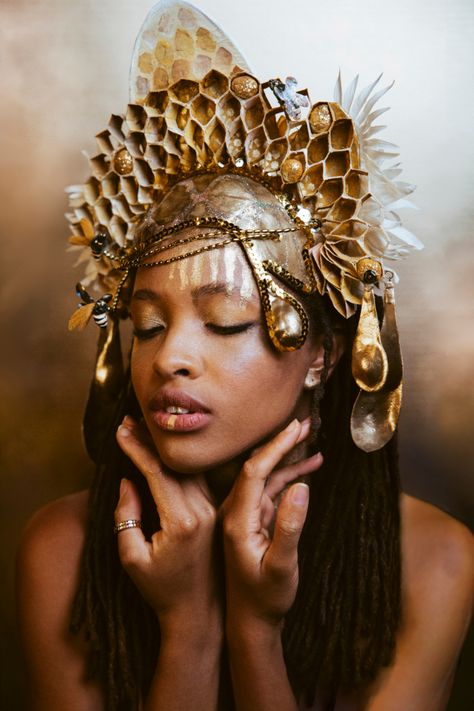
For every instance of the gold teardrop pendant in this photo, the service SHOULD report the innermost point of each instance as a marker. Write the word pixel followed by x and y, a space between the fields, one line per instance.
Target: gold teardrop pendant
pixel 369 361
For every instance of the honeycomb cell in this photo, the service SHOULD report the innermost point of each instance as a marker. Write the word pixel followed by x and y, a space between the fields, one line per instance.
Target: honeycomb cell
pixel 312 181
pixel 216 137
pixel 355 157
pixel 229 108
pixel 270 124
pixel 275 153
pixel 118 229
pixel 144 173
pixel 103 210
pixel 155 129
pixel 299 137
pixel 329 192
pixel 253 113
pixel 320 117
pixel 135 117
pixel 202 110
pixel 318 149
pixel 172 164
pixel 100 165
pixel 337 164
pixel 184 90
pixel 343 209
pixel 342 134
pixel 104 142
pixel 205 40
pixel 177 116
pixel 136 144
pixel 356 184
pixel 236 140
pixel 110 185
pixel 255 146
pixel 156 103
pixel 194 136
pixel 214 84
pixel 128 186
pixel 155 156
pixel 121 208
pixel 92 190
pixel 115 127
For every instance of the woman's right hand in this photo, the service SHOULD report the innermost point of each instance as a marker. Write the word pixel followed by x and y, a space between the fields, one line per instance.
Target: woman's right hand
pixel 174 571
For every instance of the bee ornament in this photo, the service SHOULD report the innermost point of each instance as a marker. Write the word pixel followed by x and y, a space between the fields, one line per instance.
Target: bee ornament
pixel 89 307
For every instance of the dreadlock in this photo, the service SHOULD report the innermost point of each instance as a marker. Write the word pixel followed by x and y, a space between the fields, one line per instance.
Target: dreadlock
pixel 341 628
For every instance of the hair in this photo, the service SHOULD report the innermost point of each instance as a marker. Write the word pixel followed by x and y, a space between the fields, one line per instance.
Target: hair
pixel 341 628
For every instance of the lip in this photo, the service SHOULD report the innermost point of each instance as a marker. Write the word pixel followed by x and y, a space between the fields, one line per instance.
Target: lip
pixel 198 418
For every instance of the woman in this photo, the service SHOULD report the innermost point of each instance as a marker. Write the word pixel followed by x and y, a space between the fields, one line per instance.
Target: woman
pixel 264 556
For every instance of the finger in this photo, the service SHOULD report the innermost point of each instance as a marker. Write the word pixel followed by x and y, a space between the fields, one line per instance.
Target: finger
pixel 282 554
pixel 280 478
pixel 165 490
pixel 305 430
pixel 250 484
pixel 132 545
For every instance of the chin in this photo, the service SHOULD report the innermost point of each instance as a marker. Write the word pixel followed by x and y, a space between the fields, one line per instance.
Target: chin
pixel 181 457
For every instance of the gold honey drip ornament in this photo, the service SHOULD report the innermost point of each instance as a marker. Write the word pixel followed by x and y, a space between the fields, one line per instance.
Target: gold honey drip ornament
pixel 369 360
pixel 375 414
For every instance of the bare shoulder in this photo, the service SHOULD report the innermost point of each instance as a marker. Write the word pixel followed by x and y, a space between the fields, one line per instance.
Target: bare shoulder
pixel 55 534
pixel 436 548
pixel 48 567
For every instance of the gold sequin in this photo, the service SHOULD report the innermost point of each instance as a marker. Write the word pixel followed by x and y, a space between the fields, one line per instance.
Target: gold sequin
pixel 244 86
pixel 123 163
pixel 320 118
pixel 291 170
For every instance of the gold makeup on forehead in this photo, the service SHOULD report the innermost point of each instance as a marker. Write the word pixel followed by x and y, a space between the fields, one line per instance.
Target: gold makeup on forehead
pixel 258 246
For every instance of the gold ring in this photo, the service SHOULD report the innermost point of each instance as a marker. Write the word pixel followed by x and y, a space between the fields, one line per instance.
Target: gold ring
pixel 127 523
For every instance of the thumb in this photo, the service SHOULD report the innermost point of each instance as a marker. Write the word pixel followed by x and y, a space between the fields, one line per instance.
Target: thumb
pixel 289 523
pixel 131 541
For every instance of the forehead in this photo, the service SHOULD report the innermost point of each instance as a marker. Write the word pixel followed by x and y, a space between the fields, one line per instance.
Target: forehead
pixel 190 266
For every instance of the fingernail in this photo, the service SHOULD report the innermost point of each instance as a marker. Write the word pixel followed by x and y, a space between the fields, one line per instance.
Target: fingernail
pixel 123 487
pixel 123 431
pixel 293 425
pixel 300 494
pixel 128 421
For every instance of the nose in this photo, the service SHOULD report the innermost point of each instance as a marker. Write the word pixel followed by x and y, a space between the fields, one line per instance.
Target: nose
pixel 177 354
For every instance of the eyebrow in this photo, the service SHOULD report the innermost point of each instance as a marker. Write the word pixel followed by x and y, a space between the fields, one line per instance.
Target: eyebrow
pixel 196 293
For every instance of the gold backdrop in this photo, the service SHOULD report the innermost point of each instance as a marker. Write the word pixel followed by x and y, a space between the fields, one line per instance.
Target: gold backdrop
pixel 64 68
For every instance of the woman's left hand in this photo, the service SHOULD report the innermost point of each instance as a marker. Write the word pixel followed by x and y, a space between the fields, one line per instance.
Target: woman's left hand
pixel 262 570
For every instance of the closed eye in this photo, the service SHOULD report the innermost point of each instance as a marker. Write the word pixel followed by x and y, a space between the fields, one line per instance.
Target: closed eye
pixel 230 330
pixel 141 334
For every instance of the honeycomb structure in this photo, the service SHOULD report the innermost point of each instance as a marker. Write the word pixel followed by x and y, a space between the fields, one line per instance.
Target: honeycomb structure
pixel 197 126
pixel 196 107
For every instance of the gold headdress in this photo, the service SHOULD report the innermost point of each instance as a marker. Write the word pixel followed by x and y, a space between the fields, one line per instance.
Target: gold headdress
pixel 196 109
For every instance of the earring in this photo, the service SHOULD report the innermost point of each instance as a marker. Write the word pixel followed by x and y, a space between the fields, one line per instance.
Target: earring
pixel 375 414
pixel 369 360
pixel 313 378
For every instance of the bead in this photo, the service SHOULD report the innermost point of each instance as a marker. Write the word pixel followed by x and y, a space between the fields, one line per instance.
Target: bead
pixel 123 163
pixel 291 170
pixel 244 86
pixel 369 270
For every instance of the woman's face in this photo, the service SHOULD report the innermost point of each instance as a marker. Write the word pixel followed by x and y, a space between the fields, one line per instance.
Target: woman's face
pixel 209 383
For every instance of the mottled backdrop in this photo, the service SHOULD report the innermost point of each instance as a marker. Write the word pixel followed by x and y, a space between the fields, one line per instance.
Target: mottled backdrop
pixel 64 67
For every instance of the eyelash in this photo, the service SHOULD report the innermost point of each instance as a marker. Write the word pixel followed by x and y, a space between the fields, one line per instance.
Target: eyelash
pixel 142 334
